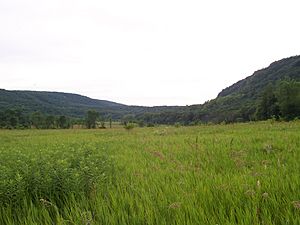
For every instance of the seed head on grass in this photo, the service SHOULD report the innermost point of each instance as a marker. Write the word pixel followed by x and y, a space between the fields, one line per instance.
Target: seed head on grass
pixel 175 205
pixel 268 148
pixel 296 204
pixel 265 195
pixel 250 192
pixel 46 202
pixel 87 217
pixel 158 154
pixel 258 184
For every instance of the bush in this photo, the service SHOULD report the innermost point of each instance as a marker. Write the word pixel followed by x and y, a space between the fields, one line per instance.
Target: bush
pixel 129 126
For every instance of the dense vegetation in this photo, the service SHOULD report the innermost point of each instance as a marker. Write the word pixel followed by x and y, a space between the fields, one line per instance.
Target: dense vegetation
pixel 240 101
pixel 270 92
pixel 54 103
pixel 283 101
pixel 71 105
pixel 209 174
pixel 16 118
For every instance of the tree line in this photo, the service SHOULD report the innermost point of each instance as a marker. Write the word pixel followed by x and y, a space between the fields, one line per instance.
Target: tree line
pixel 280 101
pixel 17 119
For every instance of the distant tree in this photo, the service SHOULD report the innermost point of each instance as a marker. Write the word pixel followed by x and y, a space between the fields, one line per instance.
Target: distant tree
pixel 246 113
pixel 12 118
pixel 110 122
pixel 141 123
pixel 24 121
pixel 288 94
pixel 91 118
pixel 2 119
pixel 268 105
pixel 63 122
pixel 148 117
pixel 129 118
pixel 50 121
pixel 129 126
pixel 102 123
pixel 38 120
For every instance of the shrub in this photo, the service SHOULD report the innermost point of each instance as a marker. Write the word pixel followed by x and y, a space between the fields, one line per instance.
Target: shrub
pixel 129 126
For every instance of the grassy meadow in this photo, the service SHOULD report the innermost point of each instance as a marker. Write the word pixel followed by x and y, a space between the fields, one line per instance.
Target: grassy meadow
pixel 210 174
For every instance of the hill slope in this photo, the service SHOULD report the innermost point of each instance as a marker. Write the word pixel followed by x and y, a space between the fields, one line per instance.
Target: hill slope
pixel 55 103
pixel 73 105
pixel 235 103
pixel 240 99
pixel 254 84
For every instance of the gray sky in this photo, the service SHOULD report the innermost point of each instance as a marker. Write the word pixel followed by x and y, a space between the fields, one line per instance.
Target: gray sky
pixel 158 52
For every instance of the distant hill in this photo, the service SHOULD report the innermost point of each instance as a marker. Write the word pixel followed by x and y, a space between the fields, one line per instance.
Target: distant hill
pixel 73 105
pixel 235 103
pixel 240 99
pixel 254 84
pixel 55 103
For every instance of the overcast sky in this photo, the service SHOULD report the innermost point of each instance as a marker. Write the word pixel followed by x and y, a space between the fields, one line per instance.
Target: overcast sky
pixel 158 52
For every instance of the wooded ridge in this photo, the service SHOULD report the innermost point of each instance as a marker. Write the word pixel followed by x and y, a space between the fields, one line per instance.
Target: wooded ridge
pixel 272 92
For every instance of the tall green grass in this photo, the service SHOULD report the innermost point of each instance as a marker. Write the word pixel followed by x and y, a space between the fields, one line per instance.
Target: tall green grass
pixel 220 174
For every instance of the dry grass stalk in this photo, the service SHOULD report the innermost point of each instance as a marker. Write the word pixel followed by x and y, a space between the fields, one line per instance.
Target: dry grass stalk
pixel 158 154
pixel 175 205
pixel 296 204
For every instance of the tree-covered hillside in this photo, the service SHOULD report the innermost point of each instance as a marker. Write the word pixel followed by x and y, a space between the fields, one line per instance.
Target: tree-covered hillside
pixel 239 102
pixel 270 92
pixel 71 105
pixel 54 103
pixel 252 86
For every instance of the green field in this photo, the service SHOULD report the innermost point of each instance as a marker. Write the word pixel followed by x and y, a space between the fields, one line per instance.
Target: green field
pixel 213 174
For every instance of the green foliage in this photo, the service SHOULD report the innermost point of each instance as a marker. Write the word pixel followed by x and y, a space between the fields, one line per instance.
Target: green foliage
pixel 17 119
pixel 63 122
pixel 289 98
pixel 129 118
pixel 110 122
pixel 91 118
pixel 50 122
pixel 38 120
pixel 102 124
pixel 56 103
pixel 13 118
pixel 46 174
pixel 283 102
pixel 129 126
pixel 177 125
pixel 268 105
pixel 141 123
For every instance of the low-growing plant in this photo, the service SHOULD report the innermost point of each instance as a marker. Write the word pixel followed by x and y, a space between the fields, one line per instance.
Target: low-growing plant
pixel 52 175
pixel 129 126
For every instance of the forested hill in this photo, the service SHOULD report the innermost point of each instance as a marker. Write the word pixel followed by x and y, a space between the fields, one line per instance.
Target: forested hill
pixel 239 102
pixel 273 91
pixel 252 86
pixel 72 105
pixel 55 103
